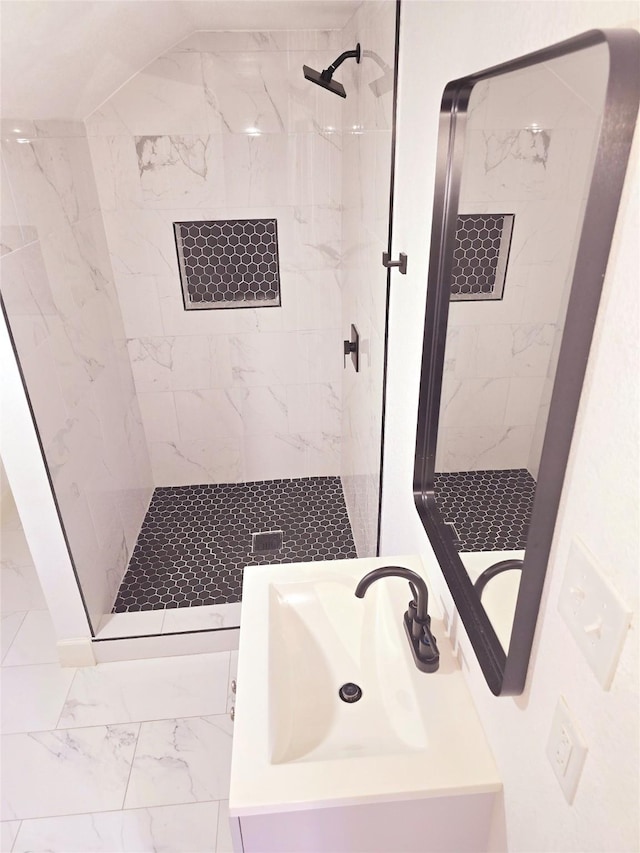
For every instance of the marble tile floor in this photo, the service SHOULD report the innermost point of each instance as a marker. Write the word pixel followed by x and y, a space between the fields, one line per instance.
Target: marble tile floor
pixel 132 756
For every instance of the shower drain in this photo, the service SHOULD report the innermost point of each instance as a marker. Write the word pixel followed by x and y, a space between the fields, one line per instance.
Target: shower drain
pixel 268 542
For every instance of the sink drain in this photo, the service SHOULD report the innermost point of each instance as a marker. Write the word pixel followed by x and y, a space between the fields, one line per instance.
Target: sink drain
pixel 350 692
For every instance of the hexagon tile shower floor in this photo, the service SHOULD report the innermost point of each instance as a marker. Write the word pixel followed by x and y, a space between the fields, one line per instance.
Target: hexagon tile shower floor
pixel 196 540
pixel 489 510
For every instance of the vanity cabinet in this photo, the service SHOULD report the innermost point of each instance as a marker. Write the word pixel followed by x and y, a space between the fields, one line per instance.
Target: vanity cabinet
pixel 427 825
pixel 405 767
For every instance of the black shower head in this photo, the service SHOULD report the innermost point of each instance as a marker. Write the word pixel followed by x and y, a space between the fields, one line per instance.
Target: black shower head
pixel 324 78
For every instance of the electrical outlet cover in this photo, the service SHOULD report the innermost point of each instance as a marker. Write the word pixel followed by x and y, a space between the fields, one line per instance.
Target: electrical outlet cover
pixel 566 750
pixel 594 612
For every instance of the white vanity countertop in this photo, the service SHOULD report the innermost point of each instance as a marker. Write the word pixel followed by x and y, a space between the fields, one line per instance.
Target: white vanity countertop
pixel 429 741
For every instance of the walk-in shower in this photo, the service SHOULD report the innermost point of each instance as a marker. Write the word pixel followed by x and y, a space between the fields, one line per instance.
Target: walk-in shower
pixel 180 329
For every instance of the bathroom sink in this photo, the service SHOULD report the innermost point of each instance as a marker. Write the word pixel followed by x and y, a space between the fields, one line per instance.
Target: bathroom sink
pixel 322 637
pixel 297 744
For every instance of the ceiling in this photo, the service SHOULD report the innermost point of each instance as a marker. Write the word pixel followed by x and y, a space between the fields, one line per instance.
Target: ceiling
pixel 62 58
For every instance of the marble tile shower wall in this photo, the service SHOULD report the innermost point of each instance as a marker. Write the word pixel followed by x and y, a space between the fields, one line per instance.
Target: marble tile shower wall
pixel 225 127
pixel 64 315
pixel 366 168
pixel 528 158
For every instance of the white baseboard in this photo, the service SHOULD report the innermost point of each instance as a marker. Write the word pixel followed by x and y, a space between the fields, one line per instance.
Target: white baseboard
pixel 166 645
pixel 77 652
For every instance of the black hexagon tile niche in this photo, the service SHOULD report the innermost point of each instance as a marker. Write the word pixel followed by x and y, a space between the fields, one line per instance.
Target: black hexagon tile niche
pixel 196 541
pixel 489 510
pixel 228 263
pixel 480 256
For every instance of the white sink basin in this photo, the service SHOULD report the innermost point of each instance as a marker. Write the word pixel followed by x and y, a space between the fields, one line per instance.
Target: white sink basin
pixel 321 637
pixel 297 745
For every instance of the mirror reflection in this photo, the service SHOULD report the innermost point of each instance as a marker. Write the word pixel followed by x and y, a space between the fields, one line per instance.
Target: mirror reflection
pixel 529 147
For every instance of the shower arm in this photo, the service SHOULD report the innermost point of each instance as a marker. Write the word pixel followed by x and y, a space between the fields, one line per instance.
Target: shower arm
pixel 328 73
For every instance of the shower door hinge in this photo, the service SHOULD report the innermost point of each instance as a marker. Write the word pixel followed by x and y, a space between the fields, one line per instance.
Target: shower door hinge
pixel 401 263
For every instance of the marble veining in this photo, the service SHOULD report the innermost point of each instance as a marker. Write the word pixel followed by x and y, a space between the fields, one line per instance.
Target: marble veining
pixel 531 162
pixel 75 771
pixel 118 694
pixel 155 152
pixel 32 696
pixel 64 316
pixel 224 127
pixel 20 585
pixel 69 736
pixel 167 828
pixel 181 761
pixel 480 448
pixel 529 145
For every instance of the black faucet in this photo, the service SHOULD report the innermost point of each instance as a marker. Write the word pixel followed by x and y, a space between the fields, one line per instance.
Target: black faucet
pixel 417 621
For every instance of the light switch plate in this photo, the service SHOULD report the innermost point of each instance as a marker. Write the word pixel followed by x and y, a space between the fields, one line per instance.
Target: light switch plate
pixel 566 750
pixel 594 612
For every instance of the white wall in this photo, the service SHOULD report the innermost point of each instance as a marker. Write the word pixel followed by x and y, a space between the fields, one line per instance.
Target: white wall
pixel 439 42
pixel 366 170
pixel 225 126
pixel 66 323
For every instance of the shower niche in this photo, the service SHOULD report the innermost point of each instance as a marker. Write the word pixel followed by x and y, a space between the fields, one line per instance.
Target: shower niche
pixel 480 256
pixel 228 263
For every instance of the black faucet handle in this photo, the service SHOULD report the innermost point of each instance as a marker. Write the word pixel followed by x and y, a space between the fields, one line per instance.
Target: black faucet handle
pixel 414 593
pixel 428 652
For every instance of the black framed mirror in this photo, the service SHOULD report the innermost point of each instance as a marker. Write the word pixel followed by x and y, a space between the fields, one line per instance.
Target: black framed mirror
pixel 532 156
